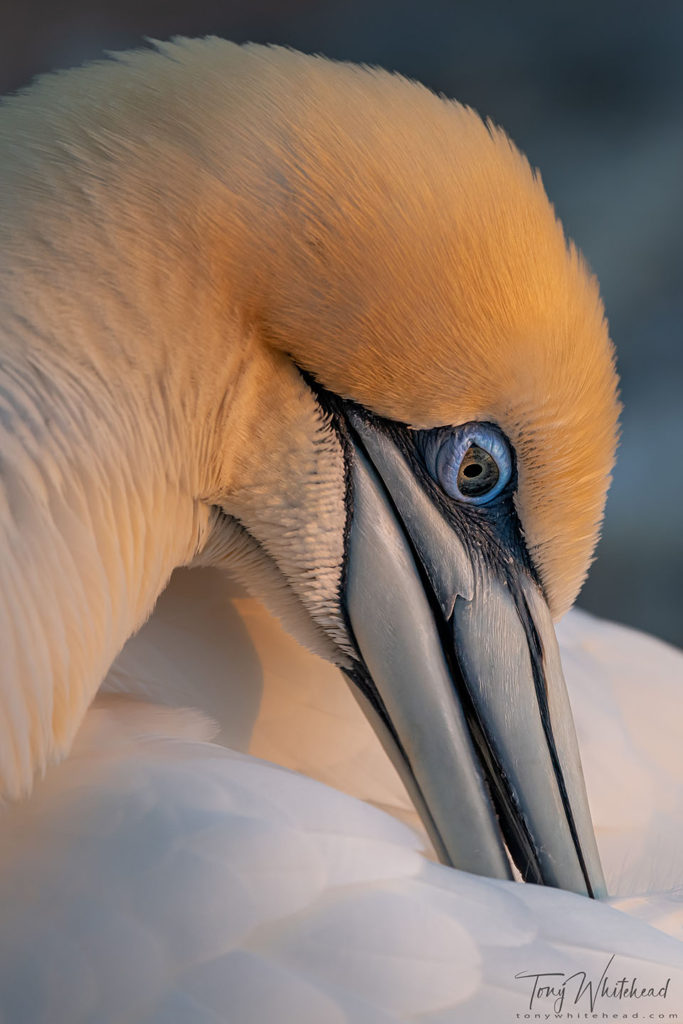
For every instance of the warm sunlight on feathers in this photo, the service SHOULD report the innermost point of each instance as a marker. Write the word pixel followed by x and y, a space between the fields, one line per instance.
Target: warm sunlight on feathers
pixel 418 251
pixel 386 238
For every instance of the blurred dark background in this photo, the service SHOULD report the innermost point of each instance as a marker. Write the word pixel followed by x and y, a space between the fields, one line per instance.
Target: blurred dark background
pixel 593 93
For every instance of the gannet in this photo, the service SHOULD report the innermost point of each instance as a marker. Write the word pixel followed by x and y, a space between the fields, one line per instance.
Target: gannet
pixel 314 325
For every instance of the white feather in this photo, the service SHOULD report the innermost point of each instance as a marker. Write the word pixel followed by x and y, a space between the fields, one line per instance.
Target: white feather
pixel 626 690
pixel 156 877
pixel 153 877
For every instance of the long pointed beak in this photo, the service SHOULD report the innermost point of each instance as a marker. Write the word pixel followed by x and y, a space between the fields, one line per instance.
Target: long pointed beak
pixel 463 683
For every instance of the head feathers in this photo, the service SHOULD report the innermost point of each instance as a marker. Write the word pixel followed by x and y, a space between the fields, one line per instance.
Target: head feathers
pixel 407 255
pixel 389 241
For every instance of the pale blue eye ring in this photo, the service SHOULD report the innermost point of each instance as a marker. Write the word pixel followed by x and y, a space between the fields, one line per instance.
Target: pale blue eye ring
pixel 472 463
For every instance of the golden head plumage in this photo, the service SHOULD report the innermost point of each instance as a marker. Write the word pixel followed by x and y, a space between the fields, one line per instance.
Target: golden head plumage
pixel 413 263
pixel 389 241
pixel 182 231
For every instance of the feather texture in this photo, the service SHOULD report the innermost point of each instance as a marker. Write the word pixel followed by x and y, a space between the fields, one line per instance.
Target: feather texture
pixel 153 877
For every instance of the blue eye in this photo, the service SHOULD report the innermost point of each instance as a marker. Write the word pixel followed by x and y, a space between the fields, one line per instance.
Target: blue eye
pixel 471 463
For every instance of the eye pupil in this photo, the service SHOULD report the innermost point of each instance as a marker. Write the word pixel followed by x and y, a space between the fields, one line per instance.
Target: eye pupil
pixel 471 463
pixel 478 473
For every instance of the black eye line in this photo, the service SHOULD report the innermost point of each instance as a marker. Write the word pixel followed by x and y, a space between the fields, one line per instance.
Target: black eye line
pixel 497 521
pixel 498 530
pixel 411 442
pixel 492 530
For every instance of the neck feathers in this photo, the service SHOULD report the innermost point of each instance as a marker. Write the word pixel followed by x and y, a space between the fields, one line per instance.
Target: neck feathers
pixel 119 358
pixel 92 521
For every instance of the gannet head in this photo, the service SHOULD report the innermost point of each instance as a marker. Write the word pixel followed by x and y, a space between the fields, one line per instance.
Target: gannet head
pixel 414 269
pixel 412 460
